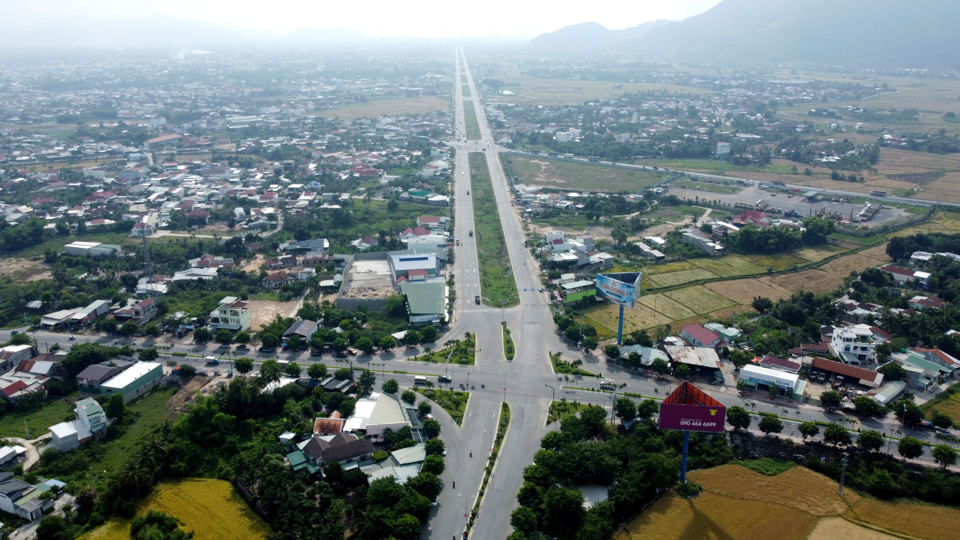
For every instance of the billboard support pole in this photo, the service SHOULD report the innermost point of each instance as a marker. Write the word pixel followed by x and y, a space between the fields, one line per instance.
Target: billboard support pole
pixel 683 460
pixel 620 328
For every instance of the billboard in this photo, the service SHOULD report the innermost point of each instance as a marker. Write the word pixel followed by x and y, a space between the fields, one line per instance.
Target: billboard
pixel 692 417
pixel 619 288
pixel 689 408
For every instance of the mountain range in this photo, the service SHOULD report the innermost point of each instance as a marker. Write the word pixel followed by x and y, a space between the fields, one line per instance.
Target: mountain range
pixel 862 33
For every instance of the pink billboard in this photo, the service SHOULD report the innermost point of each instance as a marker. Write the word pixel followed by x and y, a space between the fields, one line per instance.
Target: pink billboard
pixel 692 417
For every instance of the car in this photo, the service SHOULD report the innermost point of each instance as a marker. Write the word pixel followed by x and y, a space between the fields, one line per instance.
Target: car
pixel 468 192
pixel 242 347
pixel 542 289
pixel 476 299
pixel 444 379
pixel 471 233
pixel 212 361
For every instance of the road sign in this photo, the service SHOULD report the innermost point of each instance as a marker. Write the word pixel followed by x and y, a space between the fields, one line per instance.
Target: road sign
pixel 619 287
pixel 690 409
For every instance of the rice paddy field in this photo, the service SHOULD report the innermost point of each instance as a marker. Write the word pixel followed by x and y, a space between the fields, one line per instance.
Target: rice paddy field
pixel 211 509
pixel 740 503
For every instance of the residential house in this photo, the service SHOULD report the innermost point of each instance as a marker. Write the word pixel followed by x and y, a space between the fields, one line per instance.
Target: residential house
pixel 135 381
pixel 139 312
pixel 12 355
pixel 339 448
pixel 15 385
pixel 210 261
pixel 304 328
pixel 860 375
pixel 277 280
pixel 939 357
pixel 698 336
pixel 231 313
pixel 903 275
pixel 93 376
pixel 921 303
pixel 90 421
pixel 21 499
pixel 854 344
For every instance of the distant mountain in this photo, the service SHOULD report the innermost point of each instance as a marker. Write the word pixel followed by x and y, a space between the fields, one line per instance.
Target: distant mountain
pixel 860 33
pixel 589 37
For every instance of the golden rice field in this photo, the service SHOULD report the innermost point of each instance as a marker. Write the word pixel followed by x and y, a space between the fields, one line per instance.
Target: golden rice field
pixel 211 509
pixel 745 290
pixel 699 299
pixel 739 503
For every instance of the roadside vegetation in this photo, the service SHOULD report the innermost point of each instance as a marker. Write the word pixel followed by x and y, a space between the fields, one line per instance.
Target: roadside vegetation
pixel 502 426
pixel 470 121
pixel 508 347
pixel 455 351
pixel 568 368
pixel 452 401
pixel 562 409
pixel 496 277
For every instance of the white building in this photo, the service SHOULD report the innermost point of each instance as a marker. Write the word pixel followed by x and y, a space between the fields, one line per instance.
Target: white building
pixel 854 345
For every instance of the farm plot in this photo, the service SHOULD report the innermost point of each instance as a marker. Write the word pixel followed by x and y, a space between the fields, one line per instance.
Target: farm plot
pixel 699 299
pixel 945 222
pixel 604 318
pixel 731 265
pixel 212 509
pixel 743 291
pixel 867 258
pixel 579 176
pixel 799 503
pixel 667 306
pixel 815 281
pixel 678 278
pixel 819 253
pixel 915 520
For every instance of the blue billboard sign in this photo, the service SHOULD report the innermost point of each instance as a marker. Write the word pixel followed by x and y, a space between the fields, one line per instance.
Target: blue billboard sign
pixel 619 288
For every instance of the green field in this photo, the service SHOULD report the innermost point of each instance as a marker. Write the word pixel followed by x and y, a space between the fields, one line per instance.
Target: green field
pixel 380 107
pixel 496 278
pixel 53 412
pixel 700 300
pixel 470 121
pixel 670 279
pixel 452 401
pixel 561 174
pixel 706 186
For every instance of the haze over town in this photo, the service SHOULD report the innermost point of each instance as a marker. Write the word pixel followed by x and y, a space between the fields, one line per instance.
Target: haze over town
pixel 376 18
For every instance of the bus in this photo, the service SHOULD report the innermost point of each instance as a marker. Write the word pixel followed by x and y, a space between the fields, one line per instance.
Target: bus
pixel 420 380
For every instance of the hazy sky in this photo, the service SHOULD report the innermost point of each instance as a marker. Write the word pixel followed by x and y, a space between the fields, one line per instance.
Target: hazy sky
pixel 416 18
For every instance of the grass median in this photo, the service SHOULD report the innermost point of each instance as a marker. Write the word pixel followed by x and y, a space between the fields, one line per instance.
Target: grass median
pixel 496 277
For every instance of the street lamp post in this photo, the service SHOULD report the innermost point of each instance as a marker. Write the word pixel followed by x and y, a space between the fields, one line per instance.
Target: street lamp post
pixel 554 391
pixel 843 473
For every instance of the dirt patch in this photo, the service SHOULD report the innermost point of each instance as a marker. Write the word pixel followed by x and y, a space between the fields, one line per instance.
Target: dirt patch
pixel 834 527
pixel 254 264
pixel 265 311
pixel 25 269
pixel 177 401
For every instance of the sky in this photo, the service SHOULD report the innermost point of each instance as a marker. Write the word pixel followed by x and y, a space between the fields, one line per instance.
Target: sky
pixel 386 18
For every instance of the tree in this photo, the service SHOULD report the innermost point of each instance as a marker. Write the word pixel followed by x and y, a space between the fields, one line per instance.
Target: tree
pixel 365 344
pixel 390 386
pixel 149 354
pixel 941 420
pixel 830 400
pixel 625 408
pixel 907 412
pixel 129 328
pixel 762 304
pixel 223 336
pixel 433 464
pixel 739 358
pixel 611 350
pixel 945 455
pixel 870 440
pixel 866 406
pixel 836 434
pixel 524 519
pixel 201 335
pixel 910 447
pixel 738 417
pixel 892 371
pixel 647 408
pixel 242 337
pixel 660 366
pixel 431 428
pixel 424 408
pixel 366 380
pixel 268 339
pixel 769 423
pixel 562 511
pixel 269 372
pixel 347 407
pixel 387 343
pixel 425 484
pixel 809 429
pixel 292 369
pixel 243 365
pixel 619 235
pixel 682 371
pixel 115 408
pixel 408 396
pixel 317 371
pixel 434 446
pixel 55 528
